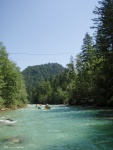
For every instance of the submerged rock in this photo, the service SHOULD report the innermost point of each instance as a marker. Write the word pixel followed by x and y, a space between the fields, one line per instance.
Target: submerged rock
pixel 12 140
pixel 7 122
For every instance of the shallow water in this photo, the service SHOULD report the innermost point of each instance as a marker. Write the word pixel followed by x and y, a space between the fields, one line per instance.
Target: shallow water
pixel 61 128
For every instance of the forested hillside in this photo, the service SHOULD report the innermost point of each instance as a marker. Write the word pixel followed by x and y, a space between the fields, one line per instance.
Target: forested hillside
pixel 35 74
pixel 12 88
pixel 88 79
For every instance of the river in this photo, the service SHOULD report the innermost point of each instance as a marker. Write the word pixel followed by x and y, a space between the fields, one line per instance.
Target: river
pixel 60 128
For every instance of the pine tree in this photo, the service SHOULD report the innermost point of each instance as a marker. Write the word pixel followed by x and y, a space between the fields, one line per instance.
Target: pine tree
pixel 104 45
pixel 86 61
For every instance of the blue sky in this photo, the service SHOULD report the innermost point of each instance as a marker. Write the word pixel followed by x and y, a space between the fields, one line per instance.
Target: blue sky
pixel 41 31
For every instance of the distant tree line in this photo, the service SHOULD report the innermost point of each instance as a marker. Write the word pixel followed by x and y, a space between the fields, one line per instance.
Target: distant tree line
pixel 12 88
pixel 33 75
pixel 88 79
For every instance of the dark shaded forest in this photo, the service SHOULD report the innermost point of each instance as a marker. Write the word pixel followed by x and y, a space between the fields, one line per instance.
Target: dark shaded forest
pixel 87 79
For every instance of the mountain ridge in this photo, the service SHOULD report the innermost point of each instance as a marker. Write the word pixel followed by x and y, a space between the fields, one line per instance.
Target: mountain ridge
pixel 34 74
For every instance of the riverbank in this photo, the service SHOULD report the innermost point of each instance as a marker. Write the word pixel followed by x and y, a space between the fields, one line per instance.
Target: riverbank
pixel 84 106
pixel 13 108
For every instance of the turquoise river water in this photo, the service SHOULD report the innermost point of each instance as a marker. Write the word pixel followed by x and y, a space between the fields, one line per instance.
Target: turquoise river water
pixel 60 128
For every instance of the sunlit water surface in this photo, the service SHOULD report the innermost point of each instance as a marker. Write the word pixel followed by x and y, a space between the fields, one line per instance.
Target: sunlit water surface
pixel 60 128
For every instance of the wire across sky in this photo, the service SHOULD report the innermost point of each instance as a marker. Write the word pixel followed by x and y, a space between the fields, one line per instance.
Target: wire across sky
pixel 41 54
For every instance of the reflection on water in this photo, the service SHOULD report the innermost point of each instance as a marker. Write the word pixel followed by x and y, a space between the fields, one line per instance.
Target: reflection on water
pixel 60 128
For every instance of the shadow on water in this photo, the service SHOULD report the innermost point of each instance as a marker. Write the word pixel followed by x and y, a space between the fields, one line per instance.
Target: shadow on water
pixel 105 113
pixel 103 135
pixel 84 111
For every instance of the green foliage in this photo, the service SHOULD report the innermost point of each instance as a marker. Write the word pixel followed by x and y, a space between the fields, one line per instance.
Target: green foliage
pixel 33 75
pixel 85 66
pixel 12 87
pixel 104 44
pixel 58 89
pixel 43 92
pixel 89 80
pixel 1 102
pixel 86 81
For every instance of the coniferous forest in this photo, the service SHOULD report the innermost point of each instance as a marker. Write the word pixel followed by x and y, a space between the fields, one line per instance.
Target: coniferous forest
pixel 87 79
pixel 33 75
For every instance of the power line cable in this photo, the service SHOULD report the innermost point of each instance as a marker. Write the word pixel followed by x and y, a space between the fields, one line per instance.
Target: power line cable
pixel 41 54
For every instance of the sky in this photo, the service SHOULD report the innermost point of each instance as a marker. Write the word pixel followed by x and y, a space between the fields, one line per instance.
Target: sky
pixel 37 32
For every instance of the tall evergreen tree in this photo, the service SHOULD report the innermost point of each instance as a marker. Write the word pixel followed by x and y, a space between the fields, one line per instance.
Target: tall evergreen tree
pixel 85 69
pixel 71 84
pixel 104 45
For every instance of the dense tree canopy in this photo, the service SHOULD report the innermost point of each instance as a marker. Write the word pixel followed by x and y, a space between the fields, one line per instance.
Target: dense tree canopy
pixel 87 80
pixel 104 45
pixel 33 75
pixel 12 87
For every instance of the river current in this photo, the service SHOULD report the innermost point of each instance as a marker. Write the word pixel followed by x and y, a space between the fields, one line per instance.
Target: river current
pixel 60 128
